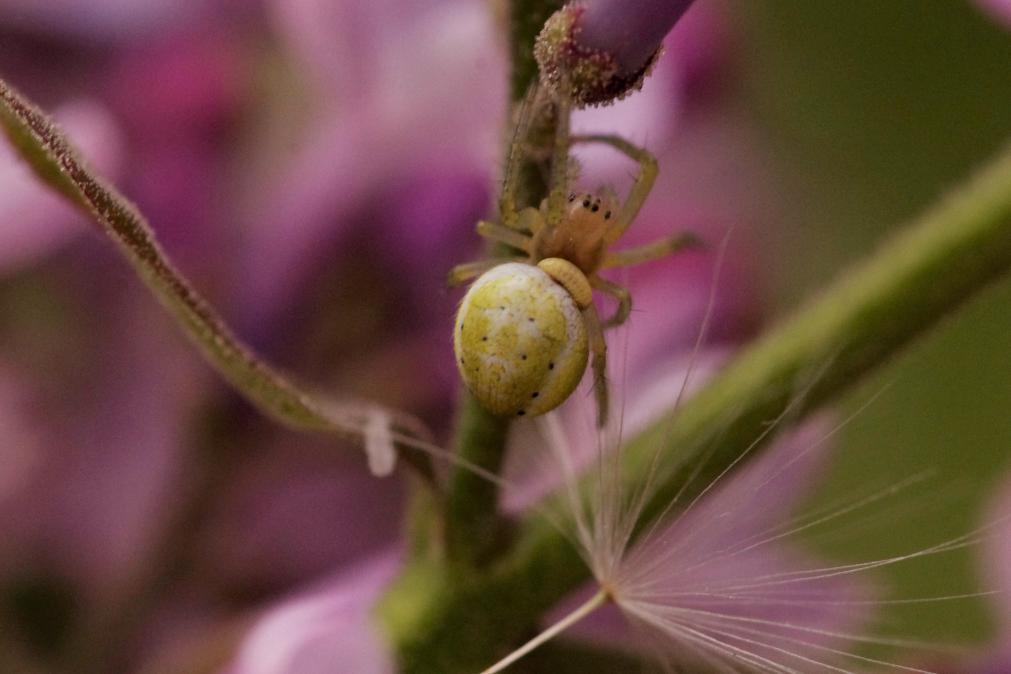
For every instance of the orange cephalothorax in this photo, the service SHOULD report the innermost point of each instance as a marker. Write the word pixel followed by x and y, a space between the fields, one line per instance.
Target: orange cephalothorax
pixel 580 236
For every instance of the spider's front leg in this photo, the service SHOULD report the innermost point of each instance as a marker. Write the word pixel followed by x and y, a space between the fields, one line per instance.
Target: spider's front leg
pixel 598 361
pixel 641 188
pixel 500 234
pixel 651 251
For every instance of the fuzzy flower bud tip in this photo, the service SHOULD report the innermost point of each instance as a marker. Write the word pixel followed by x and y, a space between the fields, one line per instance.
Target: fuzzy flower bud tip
pixel 598 51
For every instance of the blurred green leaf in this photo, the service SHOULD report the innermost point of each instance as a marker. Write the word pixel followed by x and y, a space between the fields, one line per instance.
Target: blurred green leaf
pixel 871 108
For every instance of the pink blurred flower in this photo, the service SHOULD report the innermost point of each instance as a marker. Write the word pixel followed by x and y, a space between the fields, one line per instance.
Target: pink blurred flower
pixel 119 20
pixel 428 88
pixel 631 32
pixel 102 465
pixel 326 627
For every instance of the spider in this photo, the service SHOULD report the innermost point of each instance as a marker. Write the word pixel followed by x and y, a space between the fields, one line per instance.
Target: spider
pixel 526 326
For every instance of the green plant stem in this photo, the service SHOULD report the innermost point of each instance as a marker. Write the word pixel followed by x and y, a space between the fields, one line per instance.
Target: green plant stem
pixel 526 18
pixel 912 283
pixel 473 527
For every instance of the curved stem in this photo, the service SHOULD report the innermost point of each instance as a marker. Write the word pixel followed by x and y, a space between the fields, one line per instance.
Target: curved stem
pixel 55 161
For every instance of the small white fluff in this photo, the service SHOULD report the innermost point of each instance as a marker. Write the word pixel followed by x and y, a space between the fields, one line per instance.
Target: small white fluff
pixel 379 443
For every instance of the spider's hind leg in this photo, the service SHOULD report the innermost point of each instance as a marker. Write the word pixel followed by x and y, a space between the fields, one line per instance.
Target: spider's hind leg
pixel 558 196
pixel 598 361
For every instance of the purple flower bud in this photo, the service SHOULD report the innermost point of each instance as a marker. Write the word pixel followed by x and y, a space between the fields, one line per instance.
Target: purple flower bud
pixel 598 51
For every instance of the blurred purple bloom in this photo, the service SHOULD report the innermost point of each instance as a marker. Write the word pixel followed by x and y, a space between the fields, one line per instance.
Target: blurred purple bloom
pixel 293 514
pixel 428 91
pixel 102 465
pixel 119 20
pixel 630 31
pixel 595 52
pixel 325 628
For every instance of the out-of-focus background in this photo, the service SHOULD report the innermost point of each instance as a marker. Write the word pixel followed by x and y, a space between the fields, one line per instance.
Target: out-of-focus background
pixel 873 111
pixel 316 166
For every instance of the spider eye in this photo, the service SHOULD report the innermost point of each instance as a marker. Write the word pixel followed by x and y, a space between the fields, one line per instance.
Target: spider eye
pixel 596 207
pixel 607 215
pixel 586 203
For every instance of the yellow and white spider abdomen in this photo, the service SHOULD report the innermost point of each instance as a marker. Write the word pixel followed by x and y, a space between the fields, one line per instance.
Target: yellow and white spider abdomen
pixel 520 341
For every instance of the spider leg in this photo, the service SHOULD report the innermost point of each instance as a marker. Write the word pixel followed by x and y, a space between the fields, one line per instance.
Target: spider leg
pixel 598 361
pixel 617 292
pixel 558 196
pixel 640 188
pixel 510 237
pixel 462 273
pixel 650 251
pixel 508 210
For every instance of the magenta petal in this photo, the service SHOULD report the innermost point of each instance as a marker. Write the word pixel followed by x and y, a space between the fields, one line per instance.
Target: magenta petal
pixel 97 19
pixel 631 31
pixel 325 630
pixel 108 453
pixel 432 95
pixel 291 514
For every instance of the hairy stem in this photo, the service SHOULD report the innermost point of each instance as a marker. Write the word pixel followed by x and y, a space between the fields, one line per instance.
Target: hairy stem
pixel 526 19
pixel 54 160
pixel 911 284
pixel 473 527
